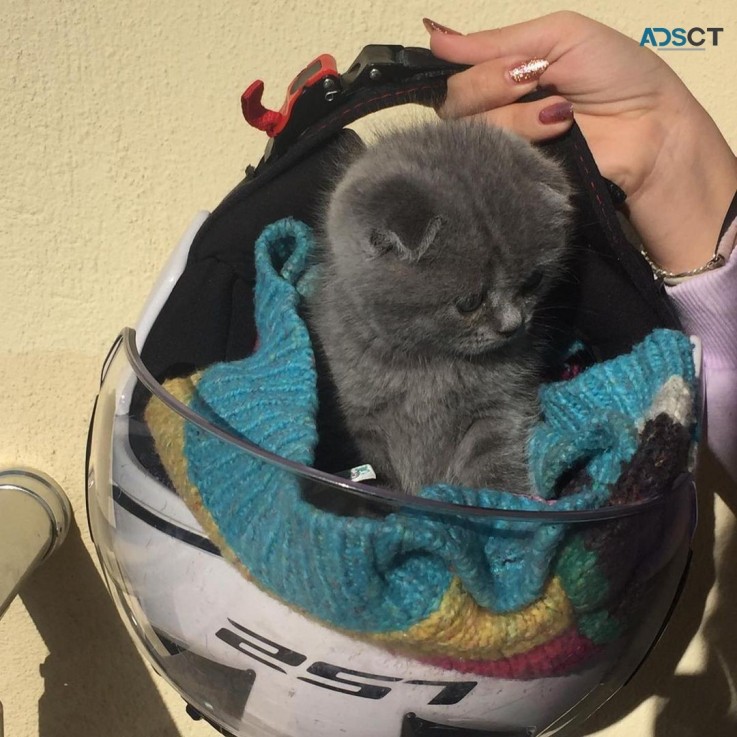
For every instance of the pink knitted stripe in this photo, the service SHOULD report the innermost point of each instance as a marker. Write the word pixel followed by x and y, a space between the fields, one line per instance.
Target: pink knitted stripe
pixel 553 658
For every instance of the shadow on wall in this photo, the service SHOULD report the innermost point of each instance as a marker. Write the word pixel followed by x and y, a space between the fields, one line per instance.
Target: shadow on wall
pixel 701 703
pixel 95 680
pixel 704 703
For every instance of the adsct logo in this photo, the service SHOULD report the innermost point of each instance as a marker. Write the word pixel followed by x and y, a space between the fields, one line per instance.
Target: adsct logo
pixel 680 39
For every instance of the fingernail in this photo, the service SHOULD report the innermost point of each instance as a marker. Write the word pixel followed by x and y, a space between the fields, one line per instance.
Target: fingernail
pixel 556 113
pixel 431 26
pixel 529 71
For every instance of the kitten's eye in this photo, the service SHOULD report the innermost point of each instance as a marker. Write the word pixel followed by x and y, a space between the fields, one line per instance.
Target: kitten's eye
pixel 471 303
pixel 532 281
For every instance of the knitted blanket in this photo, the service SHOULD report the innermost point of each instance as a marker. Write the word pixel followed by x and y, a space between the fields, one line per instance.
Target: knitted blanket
pixel 514 598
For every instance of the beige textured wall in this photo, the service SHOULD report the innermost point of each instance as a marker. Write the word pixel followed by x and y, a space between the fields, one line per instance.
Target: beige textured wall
pixel 121 119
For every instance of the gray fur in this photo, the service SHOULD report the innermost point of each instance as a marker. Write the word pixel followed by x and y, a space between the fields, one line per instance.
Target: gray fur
pixel 418 228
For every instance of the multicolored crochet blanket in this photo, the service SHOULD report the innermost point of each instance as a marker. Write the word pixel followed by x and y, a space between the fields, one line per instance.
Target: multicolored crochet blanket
pixel 506 597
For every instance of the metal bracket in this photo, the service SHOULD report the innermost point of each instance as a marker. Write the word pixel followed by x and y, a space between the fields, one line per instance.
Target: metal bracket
pixel 35 515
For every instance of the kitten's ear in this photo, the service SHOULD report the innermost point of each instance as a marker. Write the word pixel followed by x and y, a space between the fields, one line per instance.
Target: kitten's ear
pixel 558 199
pixel 384 240
pixel 406 222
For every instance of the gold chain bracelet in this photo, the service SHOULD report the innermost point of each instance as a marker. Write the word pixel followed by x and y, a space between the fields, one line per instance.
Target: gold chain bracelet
pixel 714 262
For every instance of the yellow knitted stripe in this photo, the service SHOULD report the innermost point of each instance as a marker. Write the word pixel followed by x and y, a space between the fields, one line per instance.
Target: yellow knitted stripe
pixel 168 433
pixel 169 429
pixel 461 628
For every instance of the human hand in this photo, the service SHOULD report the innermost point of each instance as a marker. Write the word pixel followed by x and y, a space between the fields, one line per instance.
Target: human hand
pixel 645 129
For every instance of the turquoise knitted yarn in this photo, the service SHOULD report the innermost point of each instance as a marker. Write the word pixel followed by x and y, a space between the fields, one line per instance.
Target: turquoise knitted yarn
pixel 381 575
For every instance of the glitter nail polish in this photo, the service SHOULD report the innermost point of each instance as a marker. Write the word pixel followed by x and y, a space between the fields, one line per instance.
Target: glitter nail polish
pixel 431 26
pixel 529 71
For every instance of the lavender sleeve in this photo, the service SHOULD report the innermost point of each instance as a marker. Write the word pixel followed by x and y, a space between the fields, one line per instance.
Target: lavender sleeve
pixel 707 306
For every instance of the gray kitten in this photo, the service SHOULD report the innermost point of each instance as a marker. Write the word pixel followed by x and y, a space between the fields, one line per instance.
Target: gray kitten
pixel 438 244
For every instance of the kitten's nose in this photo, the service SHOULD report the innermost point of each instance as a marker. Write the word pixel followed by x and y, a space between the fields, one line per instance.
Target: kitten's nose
pixel 509 332
pixel 510 320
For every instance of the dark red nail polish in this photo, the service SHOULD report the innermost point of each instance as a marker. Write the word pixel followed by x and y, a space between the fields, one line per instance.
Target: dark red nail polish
pixel 431 26
pixel 556 113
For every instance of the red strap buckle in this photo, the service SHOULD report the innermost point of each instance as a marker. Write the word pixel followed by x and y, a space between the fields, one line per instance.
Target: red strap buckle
pixel 273 121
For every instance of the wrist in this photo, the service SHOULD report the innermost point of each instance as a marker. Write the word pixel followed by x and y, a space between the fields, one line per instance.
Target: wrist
pixel 680 207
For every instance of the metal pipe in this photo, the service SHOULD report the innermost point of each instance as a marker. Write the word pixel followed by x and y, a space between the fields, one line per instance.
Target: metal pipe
pixel 35 515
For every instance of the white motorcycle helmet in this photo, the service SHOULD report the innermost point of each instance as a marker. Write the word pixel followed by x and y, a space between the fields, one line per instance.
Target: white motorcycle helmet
pixel 242 654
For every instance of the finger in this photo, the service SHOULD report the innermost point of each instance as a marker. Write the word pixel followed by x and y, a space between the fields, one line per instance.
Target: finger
pixel 540 37
pixel 534 121
pixel 491 84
